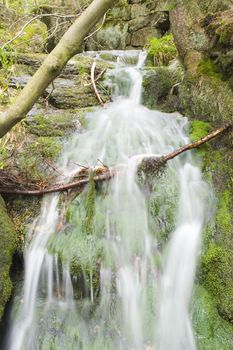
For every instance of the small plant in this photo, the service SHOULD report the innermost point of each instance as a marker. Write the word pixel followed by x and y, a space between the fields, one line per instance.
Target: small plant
pixel 162 50
pixel 6 62
pixel 6 57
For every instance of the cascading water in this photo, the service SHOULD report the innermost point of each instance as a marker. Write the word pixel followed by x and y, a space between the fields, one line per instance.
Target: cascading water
pixel 131 293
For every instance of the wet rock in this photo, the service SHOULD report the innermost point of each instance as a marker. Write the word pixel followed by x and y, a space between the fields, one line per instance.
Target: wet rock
pixel 73 88
pixel 64 97
pixel 159 87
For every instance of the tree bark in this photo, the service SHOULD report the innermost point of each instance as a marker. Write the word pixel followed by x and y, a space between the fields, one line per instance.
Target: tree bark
pixel 53 64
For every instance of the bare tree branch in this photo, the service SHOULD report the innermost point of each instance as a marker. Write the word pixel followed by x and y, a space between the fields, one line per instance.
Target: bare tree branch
pixel 21 32
pixel 197 143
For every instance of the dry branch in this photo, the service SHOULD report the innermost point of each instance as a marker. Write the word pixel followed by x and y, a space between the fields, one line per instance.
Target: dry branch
pixel 197 143
pixel 103 173
pixel 94 84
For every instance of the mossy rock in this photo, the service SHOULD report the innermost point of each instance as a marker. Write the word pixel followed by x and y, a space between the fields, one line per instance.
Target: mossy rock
pixel 217 276
pixel 215 271
pixel 157 86
pixel 22 212
pixel 113 36
pixel 212 332
pixel 31 158
pixel 75 97
pixel 78 64
pixel 56 123
pixel 220 27
pixel 8 242
pixel 206 97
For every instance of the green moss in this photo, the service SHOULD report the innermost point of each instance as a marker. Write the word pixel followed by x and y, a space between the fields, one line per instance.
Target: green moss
pixel 198 130
pixel 82 68
pixel 55 125
pixel 121 11
pixel 157 85
pixel 48 147
pixel 216 262
pixel 89 207
pixel 82 113
pixel 212 332
pixel 8 243
pixel 207 67
pixel 224 213
pixel 30 159
pixel 6 61
pixel 80 244
pixel 217 276
pixel 206 98
pixel 162 205
pixel 22 211
pixel 33 38
pixel 162 50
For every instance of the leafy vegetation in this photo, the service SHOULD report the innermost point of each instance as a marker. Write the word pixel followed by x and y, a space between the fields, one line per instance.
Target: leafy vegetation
pixel 6 62
pixel 162 50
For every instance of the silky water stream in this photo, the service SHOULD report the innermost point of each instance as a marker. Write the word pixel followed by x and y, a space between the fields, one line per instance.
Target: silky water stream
pixel 106 280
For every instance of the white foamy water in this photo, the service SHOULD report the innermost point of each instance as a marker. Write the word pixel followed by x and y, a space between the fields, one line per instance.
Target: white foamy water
pixel 142 298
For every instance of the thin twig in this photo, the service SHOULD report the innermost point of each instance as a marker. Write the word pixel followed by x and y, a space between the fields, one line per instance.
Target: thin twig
pixel 94 84
pixel 95 31
pixel 97 78
pixel 20 32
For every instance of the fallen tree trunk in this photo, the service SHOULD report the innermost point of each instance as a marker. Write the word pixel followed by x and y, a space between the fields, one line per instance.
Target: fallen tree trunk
pixel 104 173
pixel 54 63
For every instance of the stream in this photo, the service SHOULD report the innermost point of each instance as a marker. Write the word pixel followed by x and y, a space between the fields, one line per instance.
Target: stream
pixel 97 273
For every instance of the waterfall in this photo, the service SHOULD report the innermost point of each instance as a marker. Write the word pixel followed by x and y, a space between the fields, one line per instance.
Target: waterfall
pixel 132 292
